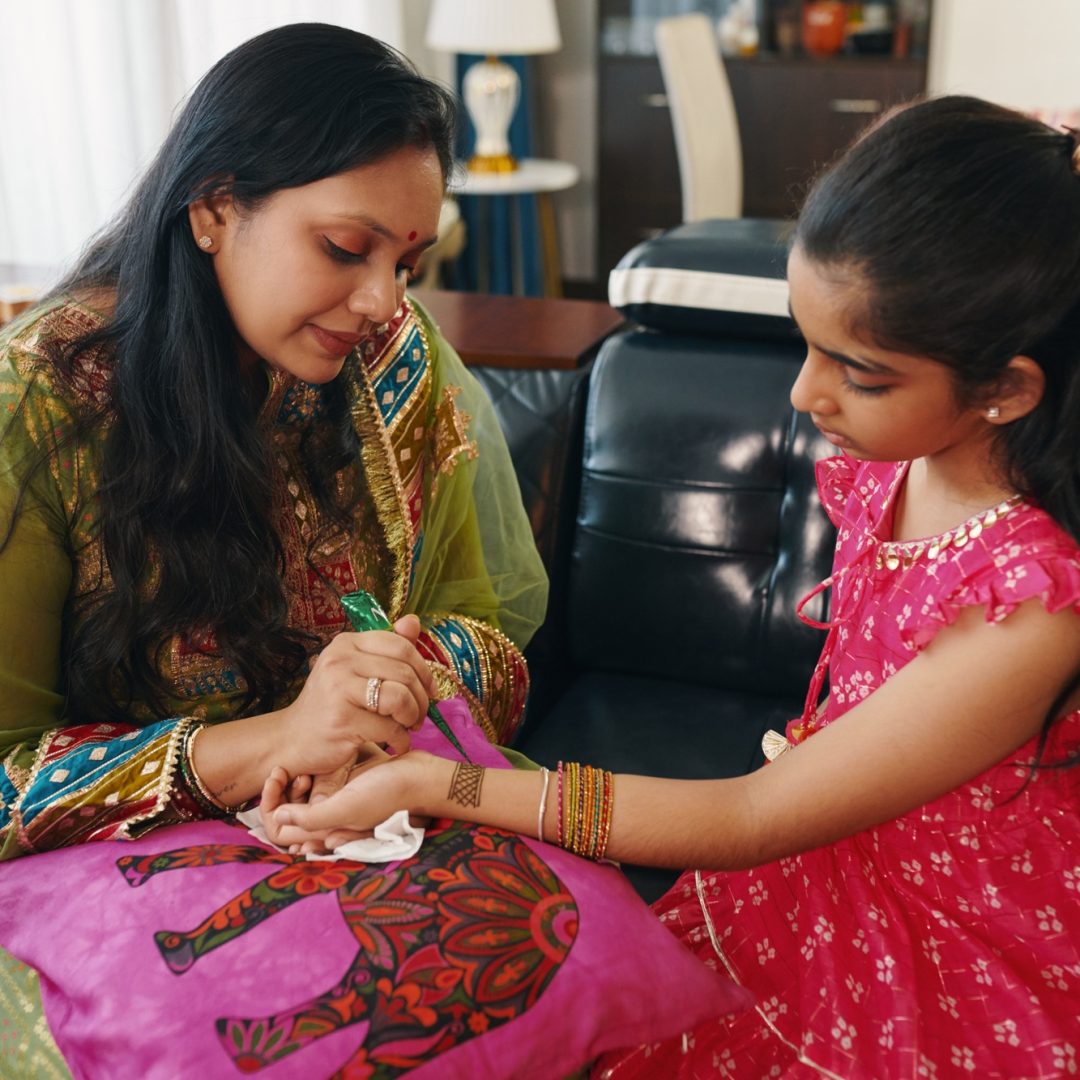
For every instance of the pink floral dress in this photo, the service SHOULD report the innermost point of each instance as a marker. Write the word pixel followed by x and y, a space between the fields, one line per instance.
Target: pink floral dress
pixel 945 943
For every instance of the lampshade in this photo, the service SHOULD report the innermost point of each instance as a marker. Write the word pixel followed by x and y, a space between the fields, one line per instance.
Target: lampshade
pixel 495 27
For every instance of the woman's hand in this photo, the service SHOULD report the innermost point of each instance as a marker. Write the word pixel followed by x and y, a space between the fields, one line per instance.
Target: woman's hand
pixel 374 790
pixel 322 730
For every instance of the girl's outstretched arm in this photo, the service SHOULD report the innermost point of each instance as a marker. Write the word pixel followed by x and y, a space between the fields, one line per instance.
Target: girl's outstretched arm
pixel 978 692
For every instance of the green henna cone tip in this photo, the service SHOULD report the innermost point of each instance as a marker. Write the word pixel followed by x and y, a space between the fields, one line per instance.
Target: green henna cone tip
pixel 365 613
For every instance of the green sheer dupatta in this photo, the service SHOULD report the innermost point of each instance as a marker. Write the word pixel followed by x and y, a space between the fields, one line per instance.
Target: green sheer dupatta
pixel 478 556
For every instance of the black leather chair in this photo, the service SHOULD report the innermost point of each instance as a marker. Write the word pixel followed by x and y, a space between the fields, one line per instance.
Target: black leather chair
pixel 696 531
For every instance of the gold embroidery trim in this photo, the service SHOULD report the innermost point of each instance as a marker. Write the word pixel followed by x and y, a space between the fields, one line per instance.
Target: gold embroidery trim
pixel 16 814
pixel 164 783
pixel 19 777
pixel 451 435
pixel 485 635
pixel 449 685
pixel 384 483
pixel 160 788
pixel 391 348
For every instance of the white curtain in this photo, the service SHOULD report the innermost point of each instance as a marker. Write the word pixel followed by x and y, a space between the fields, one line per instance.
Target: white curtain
pixel 87 92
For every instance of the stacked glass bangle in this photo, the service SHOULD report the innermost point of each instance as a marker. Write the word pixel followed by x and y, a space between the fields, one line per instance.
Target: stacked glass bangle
pixel 586 797
pixel 206 800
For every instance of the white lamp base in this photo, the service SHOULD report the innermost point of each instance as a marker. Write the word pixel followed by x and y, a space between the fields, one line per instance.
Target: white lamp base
pixel 491 90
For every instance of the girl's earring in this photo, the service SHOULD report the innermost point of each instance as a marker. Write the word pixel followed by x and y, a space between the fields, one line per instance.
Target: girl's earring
pixel 993 412
pixel 206 242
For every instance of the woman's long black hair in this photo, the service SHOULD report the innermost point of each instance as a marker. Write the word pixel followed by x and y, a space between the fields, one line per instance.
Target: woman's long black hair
pixel 962 219
pixel 185 474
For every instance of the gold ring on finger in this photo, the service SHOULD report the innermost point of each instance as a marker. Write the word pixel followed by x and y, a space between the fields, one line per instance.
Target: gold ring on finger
pixel 374 686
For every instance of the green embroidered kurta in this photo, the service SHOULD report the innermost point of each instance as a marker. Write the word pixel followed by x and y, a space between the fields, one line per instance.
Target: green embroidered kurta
pixel 441 532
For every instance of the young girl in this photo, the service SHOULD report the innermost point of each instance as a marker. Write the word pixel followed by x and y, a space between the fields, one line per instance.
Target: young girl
pixel 900 887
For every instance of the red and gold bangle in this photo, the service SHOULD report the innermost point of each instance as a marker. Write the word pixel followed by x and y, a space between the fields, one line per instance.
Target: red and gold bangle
pixel 586 801
pixel 605 814
pixel 571 805
pixel 582 809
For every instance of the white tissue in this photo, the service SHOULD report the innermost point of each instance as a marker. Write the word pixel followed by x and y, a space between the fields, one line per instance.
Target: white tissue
pixel 394 839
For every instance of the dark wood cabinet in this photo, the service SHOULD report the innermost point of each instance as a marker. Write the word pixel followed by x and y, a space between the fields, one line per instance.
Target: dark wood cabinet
pixel 638 179
pixel 795 113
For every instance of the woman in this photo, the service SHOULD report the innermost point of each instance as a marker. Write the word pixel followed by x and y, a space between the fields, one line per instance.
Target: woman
pixel 226 417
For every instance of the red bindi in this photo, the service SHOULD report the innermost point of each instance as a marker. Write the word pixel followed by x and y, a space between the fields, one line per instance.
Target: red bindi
pixel 412 235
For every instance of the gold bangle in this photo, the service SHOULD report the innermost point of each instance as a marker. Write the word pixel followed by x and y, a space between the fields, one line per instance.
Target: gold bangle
pixel 586 801
pixel 195 781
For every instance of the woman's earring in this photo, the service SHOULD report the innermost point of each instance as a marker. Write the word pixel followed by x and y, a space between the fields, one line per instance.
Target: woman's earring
pixel 206 242
pixel 993 412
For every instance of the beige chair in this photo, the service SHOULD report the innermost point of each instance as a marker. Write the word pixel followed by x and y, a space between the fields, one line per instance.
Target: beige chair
pixel 703 116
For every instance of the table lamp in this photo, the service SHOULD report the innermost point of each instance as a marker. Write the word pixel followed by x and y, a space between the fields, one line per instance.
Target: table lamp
pixel 491 88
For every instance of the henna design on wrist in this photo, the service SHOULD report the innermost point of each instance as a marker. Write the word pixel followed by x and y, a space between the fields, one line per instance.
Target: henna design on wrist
pixel 465 784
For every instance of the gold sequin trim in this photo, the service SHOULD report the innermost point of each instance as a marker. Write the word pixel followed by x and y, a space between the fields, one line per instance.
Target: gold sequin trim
pixel 901 554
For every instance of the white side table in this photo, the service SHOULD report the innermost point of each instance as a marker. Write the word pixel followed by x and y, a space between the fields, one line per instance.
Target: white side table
pixel 534 176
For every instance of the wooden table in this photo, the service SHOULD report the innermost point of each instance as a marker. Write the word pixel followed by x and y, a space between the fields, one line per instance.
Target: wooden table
pixel 520 332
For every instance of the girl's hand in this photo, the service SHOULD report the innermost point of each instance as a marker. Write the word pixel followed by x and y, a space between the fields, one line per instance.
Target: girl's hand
pixel 273 794
pixel 323 728
pixel 317 788
pixel 314 789
pixel 375 790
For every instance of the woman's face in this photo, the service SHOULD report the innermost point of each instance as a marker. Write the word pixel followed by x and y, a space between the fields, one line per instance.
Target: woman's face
pixel 313 270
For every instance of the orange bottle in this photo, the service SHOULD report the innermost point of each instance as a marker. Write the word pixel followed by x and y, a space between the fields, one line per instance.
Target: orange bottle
pixel 823 26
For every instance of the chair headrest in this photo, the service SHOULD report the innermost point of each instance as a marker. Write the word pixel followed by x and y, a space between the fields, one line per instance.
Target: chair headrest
pixel 721 276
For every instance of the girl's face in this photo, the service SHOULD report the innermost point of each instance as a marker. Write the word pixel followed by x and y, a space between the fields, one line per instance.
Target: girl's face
pixel 315 269
pixel 875 404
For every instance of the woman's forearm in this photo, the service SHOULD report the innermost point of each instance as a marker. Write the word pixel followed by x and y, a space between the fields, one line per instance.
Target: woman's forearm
pixel 233 759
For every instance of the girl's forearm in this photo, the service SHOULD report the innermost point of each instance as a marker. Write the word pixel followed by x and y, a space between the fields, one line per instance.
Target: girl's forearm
pixel 654 822
pixel 503 798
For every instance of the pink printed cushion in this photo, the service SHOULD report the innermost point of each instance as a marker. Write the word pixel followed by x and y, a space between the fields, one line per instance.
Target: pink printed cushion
pixel 196 951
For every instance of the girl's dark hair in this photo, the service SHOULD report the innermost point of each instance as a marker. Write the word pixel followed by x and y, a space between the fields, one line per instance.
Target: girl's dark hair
pixel 962 220
pixel 185 473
